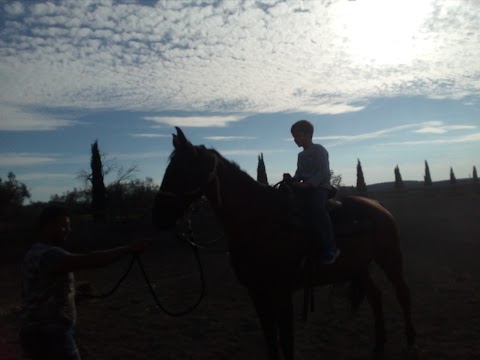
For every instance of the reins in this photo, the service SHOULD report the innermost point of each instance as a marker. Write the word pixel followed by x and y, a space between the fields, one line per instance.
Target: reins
pixel 154 294
pixel 188 237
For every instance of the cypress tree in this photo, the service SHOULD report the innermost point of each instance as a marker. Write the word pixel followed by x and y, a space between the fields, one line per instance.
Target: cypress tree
pixel 98 186
pixel 427 177
pixel 398 178
pixel 453 180
pixel 361 185
pixel 261 171
pixel 474 175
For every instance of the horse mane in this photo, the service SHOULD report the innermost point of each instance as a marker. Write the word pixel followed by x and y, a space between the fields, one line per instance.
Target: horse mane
pixel 241 178
pixel 241 175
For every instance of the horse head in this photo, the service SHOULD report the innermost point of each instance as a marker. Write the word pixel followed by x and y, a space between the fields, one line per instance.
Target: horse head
pixel 190 171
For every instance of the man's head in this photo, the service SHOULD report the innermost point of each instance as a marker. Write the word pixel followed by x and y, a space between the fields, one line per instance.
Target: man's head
pixel 54 224
pixel 302 132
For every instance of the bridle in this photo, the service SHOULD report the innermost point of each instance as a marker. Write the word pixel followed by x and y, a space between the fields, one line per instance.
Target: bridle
pixel 200 190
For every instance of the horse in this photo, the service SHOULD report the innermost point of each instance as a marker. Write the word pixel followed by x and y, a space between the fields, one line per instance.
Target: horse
pixel 267 253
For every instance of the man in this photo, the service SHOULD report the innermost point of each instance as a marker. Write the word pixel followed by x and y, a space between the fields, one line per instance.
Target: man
pixel 48 291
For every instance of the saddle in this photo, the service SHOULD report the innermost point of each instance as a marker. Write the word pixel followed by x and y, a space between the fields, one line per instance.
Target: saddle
pixel 344 221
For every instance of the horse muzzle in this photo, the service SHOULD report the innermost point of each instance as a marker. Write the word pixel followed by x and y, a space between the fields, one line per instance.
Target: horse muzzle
pixel 167 209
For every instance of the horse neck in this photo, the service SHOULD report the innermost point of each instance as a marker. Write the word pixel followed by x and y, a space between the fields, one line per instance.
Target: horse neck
pixel 234 195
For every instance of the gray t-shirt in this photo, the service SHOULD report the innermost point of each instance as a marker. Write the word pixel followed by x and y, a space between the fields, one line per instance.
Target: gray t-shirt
pixel 48 298
pixel 313 166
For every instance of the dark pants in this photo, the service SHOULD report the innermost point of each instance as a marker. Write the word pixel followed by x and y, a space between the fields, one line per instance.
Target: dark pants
pixel 49 342
pixel 323 241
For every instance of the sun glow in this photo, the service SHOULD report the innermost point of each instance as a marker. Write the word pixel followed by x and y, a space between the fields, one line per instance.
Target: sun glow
pixel 383 32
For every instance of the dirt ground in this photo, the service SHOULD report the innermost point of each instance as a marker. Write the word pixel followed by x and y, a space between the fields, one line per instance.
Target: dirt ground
pixel 440 231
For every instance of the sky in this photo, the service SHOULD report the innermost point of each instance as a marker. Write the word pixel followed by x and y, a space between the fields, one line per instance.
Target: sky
pixel 386 82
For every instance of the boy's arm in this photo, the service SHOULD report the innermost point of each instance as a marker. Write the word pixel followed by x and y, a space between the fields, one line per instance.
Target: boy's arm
pixel 74 262
pixel 322 173
pixel 296 176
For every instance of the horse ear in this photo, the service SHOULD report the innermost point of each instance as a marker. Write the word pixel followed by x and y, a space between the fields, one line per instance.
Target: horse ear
pixel 175 141
pixel 179 140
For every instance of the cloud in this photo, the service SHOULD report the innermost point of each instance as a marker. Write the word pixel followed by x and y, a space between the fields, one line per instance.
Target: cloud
pixel 229 138
pixel 25 159
pixel 435 127
pixel 141 155
pixel 198 56
pixel 475 137
pixel 14 9
pixel 151 135
pixel 44 176
pixel 365 136
pixel 443 129
pixel 194 121
pixel 330 109
pixel 249 152
pixel 16 119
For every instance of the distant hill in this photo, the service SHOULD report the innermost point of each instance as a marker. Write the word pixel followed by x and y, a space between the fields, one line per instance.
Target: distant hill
pixel 413 184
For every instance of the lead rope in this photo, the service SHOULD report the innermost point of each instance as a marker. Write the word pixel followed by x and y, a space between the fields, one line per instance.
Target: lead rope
pixel 136 258
pixel 188 237
pixel 116 286
pixel 188 310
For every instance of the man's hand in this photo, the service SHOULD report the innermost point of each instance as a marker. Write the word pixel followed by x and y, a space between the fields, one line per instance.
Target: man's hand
pixel 287 177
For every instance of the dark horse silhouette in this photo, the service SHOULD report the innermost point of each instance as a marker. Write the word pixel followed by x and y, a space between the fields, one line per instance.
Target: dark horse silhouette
pixel 267 254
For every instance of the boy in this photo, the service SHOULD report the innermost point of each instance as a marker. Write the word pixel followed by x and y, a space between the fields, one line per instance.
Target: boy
pixel 313 176
pixel 48 292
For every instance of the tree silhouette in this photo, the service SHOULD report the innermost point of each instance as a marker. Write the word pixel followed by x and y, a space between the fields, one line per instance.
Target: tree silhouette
pixel 398 179
pixel 474 175
pixel 98 186
pixel 261 171
pixel 453 180
pixel 361 185
pixel 336 180
pixel 427 177
pixel 12 191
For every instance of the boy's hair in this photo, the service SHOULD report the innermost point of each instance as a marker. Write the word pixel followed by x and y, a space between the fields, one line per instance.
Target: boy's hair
pixel 303 126
pixel 50 214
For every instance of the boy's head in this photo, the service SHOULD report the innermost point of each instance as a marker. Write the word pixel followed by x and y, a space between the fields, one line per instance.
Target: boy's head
pixel 302 132
pixel 54 224
pixel 302 126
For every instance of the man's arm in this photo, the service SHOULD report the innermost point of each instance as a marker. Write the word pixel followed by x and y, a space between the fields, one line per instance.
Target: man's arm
pixel 74 262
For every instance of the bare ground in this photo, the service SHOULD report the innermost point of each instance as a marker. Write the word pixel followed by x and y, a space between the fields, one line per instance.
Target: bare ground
pixel 440 232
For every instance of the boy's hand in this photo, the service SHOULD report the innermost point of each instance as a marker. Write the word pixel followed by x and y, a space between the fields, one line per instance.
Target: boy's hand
pixel 303 185
pixel 138 245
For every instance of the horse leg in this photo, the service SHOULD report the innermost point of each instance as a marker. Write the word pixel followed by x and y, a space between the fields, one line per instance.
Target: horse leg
pixel 374 297
pixel 394 271
pixel 266 314
pixel 284 311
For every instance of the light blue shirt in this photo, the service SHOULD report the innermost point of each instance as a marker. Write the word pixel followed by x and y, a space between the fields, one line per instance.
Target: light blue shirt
pixel 313 166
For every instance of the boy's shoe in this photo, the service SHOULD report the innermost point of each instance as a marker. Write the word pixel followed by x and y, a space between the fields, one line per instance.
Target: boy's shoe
pixel 330 257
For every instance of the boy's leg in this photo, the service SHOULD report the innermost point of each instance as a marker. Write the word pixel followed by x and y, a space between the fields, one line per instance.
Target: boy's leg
pixel 322 225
